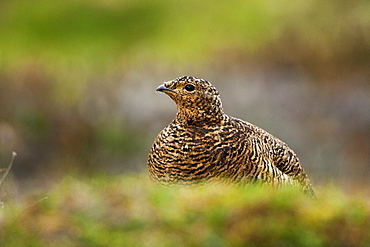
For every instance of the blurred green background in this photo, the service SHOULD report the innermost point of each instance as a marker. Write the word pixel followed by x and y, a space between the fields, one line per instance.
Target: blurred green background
pixel 78 79
pixel 78 105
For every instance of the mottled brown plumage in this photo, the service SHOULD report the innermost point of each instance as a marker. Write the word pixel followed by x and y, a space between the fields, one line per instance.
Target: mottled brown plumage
pixel 204 144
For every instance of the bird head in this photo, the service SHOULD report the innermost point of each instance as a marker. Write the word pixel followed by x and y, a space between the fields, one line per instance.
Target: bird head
pixel 197 100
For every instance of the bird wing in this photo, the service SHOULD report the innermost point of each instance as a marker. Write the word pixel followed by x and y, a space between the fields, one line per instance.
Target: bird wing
pixel 287 161
pixel 273 156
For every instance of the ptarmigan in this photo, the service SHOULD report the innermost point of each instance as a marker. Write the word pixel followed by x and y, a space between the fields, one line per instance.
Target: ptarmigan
pixel 204 144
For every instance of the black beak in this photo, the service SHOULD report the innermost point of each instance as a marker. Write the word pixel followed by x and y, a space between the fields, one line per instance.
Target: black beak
pixel 163 88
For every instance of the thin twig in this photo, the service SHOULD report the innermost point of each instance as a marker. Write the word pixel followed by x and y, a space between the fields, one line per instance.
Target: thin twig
pixel 9 167
pixel 45 198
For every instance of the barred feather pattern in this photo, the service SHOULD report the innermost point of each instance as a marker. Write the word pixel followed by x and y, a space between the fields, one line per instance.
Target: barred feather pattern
pixel 203 144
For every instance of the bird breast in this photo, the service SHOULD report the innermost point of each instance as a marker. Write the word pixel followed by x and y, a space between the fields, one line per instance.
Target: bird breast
pixel 194 154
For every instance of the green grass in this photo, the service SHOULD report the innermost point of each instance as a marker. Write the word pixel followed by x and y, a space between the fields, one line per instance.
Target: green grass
pixel 131 211
pixel 69 33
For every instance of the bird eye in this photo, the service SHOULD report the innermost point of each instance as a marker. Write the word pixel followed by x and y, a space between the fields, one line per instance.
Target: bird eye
pixel 189 87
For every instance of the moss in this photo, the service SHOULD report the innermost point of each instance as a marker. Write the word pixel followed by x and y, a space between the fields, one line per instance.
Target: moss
pixel 116 211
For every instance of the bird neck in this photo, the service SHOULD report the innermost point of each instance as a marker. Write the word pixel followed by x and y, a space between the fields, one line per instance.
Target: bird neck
pixel 186 116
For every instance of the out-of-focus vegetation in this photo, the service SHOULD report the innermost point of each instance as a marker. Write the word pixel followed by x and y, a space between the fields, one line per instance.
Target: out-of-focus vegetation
pixel 130 211
pixel 77 81
pixel 62 35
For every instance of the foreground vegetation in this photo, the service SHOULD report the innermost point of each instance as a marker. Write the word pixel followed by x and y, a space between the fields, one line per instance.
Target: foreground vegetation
pixel 131 211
